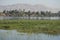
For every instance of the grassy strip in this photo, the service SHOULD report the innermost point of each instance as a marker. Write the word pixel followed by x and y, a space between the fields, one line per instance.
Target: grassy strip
pixel 32 26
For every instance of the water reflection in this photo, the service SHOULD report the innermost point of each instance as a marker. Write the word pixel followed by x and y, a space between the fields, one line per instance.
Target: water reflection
pixel 51 18
pixel 14 35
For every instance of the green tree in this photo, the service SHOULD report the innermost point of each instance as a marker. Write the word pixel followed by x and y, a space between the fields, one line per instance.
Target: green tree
pixel 29 14
pixel 37 15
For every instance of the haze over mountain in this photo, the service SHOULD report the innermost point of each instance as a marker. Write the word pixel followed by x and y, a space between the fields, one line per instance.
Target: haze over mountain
pixel 27 7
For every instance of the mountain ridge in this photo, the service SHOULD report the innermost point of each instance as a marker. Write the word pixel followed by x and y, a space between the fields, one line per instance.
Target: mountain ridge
pixel 37 7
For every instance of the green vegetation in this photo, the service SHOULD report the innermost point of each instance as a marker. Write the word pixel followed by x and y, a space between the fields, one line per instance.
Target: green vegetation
pixel 23 13
pixel 32 26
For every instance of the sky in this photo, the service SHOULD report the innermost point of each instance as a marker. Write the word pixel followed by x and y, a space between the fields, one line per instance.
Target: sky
pixel 48 3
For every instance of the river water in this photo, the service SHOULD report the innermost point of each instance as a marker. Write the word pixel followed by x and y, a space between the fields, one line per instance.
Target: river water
pixel 51 18
pixel 14 35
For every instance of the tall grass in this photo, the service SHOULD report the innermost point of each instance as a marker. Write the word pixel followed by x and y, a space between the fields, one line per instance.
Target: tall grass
pixel 32 26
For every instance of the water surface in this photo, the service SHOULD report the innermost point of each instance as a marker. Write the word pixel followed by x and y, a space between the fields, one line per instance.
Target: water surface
pixel 7 17
pixel 14 35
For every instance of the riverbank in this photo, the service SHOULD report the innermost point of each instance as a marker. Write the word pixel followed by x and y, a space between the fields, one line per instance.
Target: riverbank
pixel 32 26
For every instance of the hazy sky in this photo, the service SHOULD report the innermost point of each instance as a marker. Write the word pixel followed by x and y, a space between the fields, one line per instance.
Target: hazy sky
pixel 49 3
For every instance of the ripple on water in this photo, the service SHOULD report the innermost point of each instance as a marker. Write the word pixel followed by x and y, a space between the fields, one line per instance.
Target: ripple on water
pixel 14 35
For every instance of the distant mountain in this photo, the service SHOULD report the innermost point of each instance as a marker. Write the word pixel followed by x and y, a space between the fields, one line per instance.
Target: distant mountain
pixel 27 7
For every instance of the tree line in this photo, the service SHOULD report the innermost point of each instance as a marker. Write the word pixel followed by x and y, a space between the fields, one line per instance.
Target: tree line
pixel 23 13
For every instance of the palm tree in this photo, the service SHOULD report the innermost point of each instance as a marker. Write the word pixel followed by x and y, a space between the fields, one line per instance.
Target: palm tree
pixel 42 15
pixel 59 14
pixel 37 14
pixel 29 14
